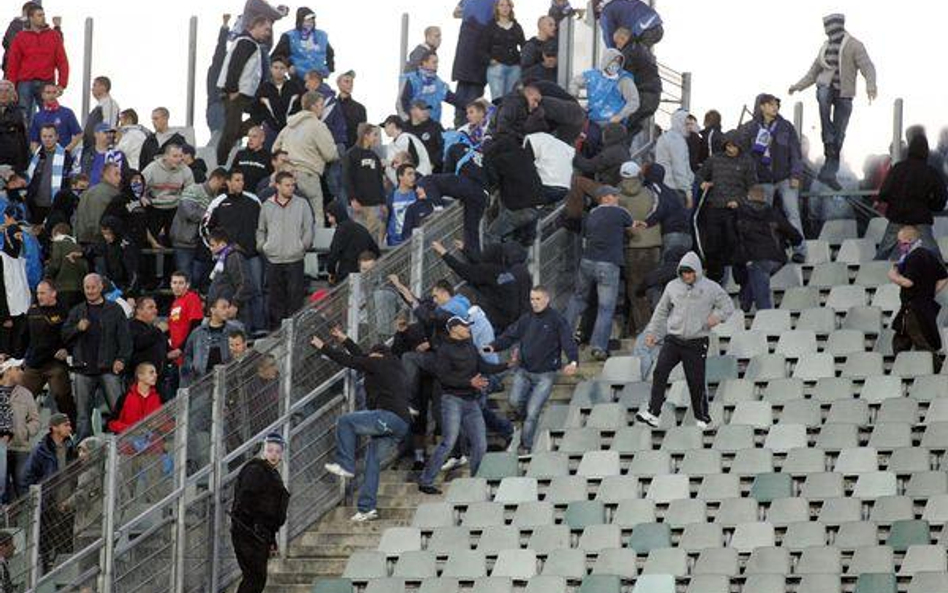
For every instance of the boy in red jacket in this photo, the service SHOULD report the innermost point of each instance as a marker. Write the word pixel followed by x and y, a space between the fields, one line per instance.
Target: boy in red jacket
pixel 140 401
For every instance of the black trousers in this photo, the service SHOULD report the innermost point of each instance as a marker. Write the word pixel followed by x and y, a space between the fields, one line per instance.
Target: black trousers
pixel 692 355
pixel 234 126
pixel 716 233
pixel 252 554
pixel 286 289
pixel 471 195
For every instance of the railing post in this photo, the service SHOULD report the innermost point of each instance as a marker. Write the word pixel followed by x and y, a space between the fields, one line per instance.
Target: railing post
pixel 798 117
pixel 686 91
pixel 352 330
pixel 895 150
pixel 289 333
pixel 182 405
pixel 192 68
pixel 564 56
pixel 535 264
pixel 107 561
pixel 36 498
pixel 417 280
pixel 402 48
pixel 217 478
pixel 87 67
pixel 597 42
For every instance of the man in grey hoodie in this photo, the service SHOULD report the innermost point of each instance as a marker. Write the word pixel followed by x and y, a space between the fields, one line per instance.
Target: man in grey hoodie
pixel 284 234
pixel 671 152
pixel 689 308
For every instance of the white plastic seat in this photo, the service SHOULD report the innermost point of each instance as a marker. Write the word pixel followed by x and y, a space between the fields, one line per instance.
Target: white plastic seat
pixel 796 343
pixel 841 298
pixel 856 251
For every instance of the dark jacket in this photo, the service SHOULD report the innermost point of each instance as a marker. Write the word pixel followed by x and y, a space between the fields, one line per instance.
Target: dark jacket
pixel 43 462
pixel 712 142
pixel 470 63
pixel 559 113
pixel 234 282
pixel 386 384
pixel 14 146
pixel 510 169
pixel 349 240
pixel 456 363
pixel 732 177
pixel 913 188
pixel 604 167
pixel 501 279
pixel 531 53
pixel 415 216
pixel 670 212
pixel 115 341
pixel 431 134
pixel 362 173
pixel 763 232
pixel 786 159
pixel 255 165
pixel 238 215
pixel 502 45
pixel 275 104
pixel 354 114
pixel 925 270
pixel 333 115
pixel 543 338
pixel 641 63
pixel 149 344
pixel 151 148
pixel 260 501
pixel 45 331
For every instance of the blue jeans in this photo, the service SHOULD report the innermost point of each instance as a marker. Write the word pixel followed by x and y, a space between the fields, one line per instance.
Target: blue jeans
pixel 457 414
pixel 185 260
pixel 675 242
pixel 31 97
pixel 647 355
pixel 790 198
pixel 257 319
pixel 755 284
pixel 501 79
pixel 493 421
pixel 605 277
pixel 384 429
pixel 528 394
pixel 834 119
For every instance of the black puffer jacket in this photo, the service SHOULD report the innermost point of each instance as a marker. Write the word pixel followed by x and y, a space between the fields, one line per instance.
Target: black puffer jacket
pixel 913 189
pixel 763 232
pixel 604 167
pixel 732 176
pixel 501 279
pixel 510 169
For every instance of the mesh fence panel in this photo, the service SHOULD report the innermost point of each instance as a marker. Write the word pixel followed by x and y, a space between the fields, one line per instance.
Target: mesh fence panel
pixel 558 264
pixel 252 396
pixel 144 558
pixel 310 370
pixel 200 420
pixel 198 550
pixel 18 520
pixel 380 301
pixel 445 227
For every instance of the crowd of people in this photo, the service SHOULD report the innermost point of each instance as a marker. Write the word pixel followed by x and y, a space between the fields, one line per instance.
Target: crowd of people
pixel 90 210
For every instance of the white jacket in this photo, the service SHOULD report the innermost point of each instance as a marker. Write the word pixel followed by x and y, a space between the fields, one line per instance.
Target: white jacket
pixel 553 159
pixel 133 137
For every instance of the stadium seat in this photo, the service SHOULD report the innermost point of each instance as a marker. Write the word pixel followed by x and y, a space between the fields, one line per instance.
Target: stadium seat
pixel 483 514
pixel 496 466
pixel 617 561
pixel 601 583
pixel 804 534
pixel 465 564
pixel 876 582
pixel 650 536
pixel 856 251
pixel 665 561
pixel 545 538
pixel 533 513
pixel 416 566
pixel 516 490
pixel 467 490
pixel 565 562
pixel 397 540
pixel 363 565
pixel 614 489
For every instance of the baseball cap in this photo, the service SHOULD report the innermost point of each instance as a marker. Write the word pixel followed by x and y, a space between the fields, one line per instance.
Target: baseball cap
pixel 10 363
pixel 421 104
pixel 351 73
pixel 607 190
pixel 630 169
pixel 275 437
pixel 456 321
pixel 104 127
pixel 57 419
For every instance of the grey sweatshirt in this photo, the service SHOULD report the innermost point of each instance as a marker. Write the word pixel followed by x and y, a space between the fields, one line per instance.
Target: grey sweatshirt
pixel 684 309
pixel 285 233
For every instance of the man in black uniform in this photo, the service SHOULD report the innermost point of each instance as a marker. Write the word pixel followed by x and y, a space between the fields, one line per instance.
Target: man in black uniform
pixel 260 503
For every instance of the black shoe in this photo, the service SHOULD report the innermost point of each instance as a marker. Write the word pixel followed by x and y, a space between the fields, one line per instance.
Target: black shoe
pixel 600 355
pixel 418 465
pixel 798 258
pixel 428 489
pixel 829 179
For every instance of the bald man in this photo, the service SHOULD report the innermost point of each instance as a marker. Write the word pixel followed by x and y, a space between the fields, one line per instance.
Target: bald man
pixel 920 275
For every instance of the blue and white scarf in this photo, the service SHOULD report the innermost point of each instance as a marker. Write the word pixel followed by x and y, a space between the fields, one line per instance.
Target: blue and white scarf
pixel 59 164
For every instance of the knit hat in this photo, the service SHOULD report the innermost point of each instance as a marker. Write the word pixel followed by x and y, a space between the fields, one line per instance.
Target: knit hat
pixel 606 190
pixel 275 437
pixel 57 419
pixel 91 444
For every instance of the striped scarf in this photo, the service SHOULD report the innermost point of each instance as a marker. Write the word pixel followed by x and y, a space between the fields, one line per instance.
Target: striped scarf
pixel 835 27
pixel 59 163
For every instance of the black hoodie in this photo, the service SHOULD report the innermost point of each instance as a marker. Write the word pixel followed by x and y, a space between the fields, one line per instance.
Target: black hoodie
pixel 348 242
pixel 604 167
pixel 763 232
pixel 732 176
pixel 501 279
pixel 913 189
pixel 510 168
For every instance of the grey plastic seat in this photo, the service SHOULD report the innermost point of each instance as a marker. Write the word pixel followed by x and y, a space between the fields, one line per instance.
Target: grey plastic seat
pixel 732 325
pixel 617 561
pixel 783 437
pixel 397 540
pixel 483 514
pixel 935 435
pixel 751 461
pixel 553 417
pixel 747 344
pixel 926 558
pixel 363 565
pixel 654 583
pixel 849 411
pixel 873 274
pixel 925 484
pixel 499 538
pixel 701 462
pixel 862 365
pixel 784 511
pixel 634 511
pixel 516 490
pixel 749 536
pixel 876 228
pixel 615 489
pixel 698 536
pixel 533 513
pixel 599 464
pixel 815 365
pixel 855 461
pixel 865 319
pixel 802 411
pixel 817 252
pixel 819 583
pixel 416 566
pixel 880 388
pixel 733 391
pixel 872 558
pixel 856 251
pixel 911 532
pixel 936 510
pixel 801 461
pixel 582 513
pixel 795 343
pixel 886 298
pixel 841 298
pixel 937 411
pixel 589 393
pixel 805 534
pixel 854 534
pixel 820 560
pixel 492 585
pixel 766 367
pixel 548 464
pixel 441 585
pixel 872 485
pixel 772 322
pixel 822 486
pixel 621 369
pixel 650 536
pixel 608 416
pixel 433 514
pixel 828 275
pixel 680 439
pixel 913 364
pixel 783 390
pixel 549 537
pixel 389 585
pixel 600 537
pixel 546 584
pixel 566 489
pixel 580 440
pixel 788 276
pixel 836 511
pixel 836 437
pixel 887 436
pixel 765 583
pixel 651 463
pixel 732 437
pixel 717 487
pixel 843 342
pixel 467 491
pixel 516 564
pixel 757 414
pixel 685 511
pixel 889 509
pixel 819 320
pixel 832 389
pixel 631 439
pixel 798 298
pixel 665 561
pixel 929 387
pixel 735 511
pixel 446 540
pixel 667 488
pixel 929 582
pixel 769 560
pixel 909 460
pixel 567 563
pixel 716 561
pixel 835 232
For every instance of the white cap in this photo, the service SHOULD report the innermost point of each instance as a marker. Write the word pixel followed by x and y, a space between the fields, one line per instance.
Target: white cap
pixel 9 364
pixel 630 169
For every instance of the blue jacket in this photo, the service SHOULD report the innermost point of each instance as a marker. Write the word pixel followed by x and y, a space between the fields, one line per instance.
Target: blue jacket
pixel 333 115
pixel 543 338
pixel 670 211
pixel 428 88
pixel 305 59
pixel 605 98
pixel 43 463
pixel 634 15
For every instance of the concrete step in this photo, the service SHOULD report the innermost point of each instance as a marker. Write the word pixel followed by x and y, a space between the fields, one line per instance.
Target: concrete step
pixel 302 571
pixel 275 588
pixel 315 538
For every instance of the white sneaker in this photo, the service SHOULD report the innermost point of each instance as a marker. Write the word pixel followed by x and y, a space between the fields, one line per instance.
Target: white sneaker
pixel 704 424
pixel 647 417
pixel 454 463
pixel 361 517
pixel 335 468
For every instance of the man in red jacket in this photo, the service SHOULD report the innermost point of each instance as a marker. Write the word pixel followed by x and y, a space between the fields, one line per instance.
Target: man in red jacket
pixel 37 57
pixel 186 313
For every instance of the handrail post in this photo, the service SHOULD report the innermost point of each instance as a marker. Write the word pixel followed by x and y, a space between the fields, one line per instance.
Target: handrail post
pixel 192 68
pixel 895 150
pixel 417 261
pixel 352 331
pixel 564 56
pixel 798 117
pixel 107 562
pixel 36 498
pixel 289 338
pixel 686 91
pixel 182 403
pixel 86 66
pixel 402 47
pixel 217 469
pixel 597 42
pixel 535 264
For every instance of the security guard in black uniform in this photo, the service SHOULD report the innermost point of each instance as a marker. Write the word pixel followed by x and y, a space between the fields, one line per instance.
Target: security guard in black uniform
pixel 259 510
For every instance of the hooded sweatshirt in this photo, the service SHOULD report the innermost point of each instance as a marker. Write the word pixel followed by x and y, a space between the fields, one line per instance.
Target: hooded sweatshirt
pixel 285 231
pixel 604 167
pixel 684 309
pixel 669 209
pixel 913 189
pixel 732 176
pixel 610 90
pixel 308 143
pixel 671 152
pixel 164 184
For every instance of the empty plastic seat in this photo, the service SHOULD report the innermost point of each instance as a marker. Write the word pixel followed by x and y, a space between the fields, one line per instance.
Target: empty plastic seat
pixel 908 460
pixel 580 440
pixel 835 437
pixel 889 509
pixel 516 490
pixel 819 583
pixel 680 439
pixel 333 586
pixel 883 343
pixel 716 561
pixel 498 538
pixel 633 511
pixel 765 583
pixel 783 437
pixel 829 275
pixel 616 561
pixel 937 411
pixel 814 365
pixel 708 583
pixel 614 489
pixel 783 390
pixel 467 490
pixel 873 274
pixel 872 559
pixel 533 513
pixel 798 298
pixel 887 298
pixel 566 489
pixel 701 462
pixel 516 564
pixel 733 391
pixel 925 484
pixel 768 560
pixel 396 540
pixel 795 343
pixel 819 560
pixel 390 585
pixel 673 561
pixel 784 511
pixel 822 486
pixel 565 562
pixel 845 341
pixel 549 537
pixel 766 367
pixel 498 465
pixel 865 319
pixel 548 464
pixel 930 387
pixel 876 582
pixel 804 460
pixel 651 463
pixel 856 251
pixel 771 486
pixel 601 583
pixel 492 585
pixel 445 540
pixel 732 325
pixel 483 514
pixel 831 389
pixel 717 487
pixel 546 584
pixel 913 364
pixel 748 536
pixel 757 414
pixel 609 416
pixel 849 411
pixel 580 514
pixel 835 232
pixel 599 464
pixel 600 537
pixel 929 582
pixel 771 322
pixel 650 536
pixel 841 298
pixel 698 536
pixel 363 565
pixel 936 510
pixel 880 388
pixel 416 566
pixel 872 485
pixel 860 460
pixel 887 436
pixel 733 437
pixel 805 412
pixel 632 438
pixel 875 230
pixel 822 321
pixel 927 558
pixel 854 534
pixel 936 435
pixel 589 393
pixel 862 365
pixel 747 344
pixel 735 511
pixel 805 534
pixel 750 462
pixel 686 511
pixel 667 488
pixel 433 514
pixel 654 583
pixel 621 369
pixel 907 533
